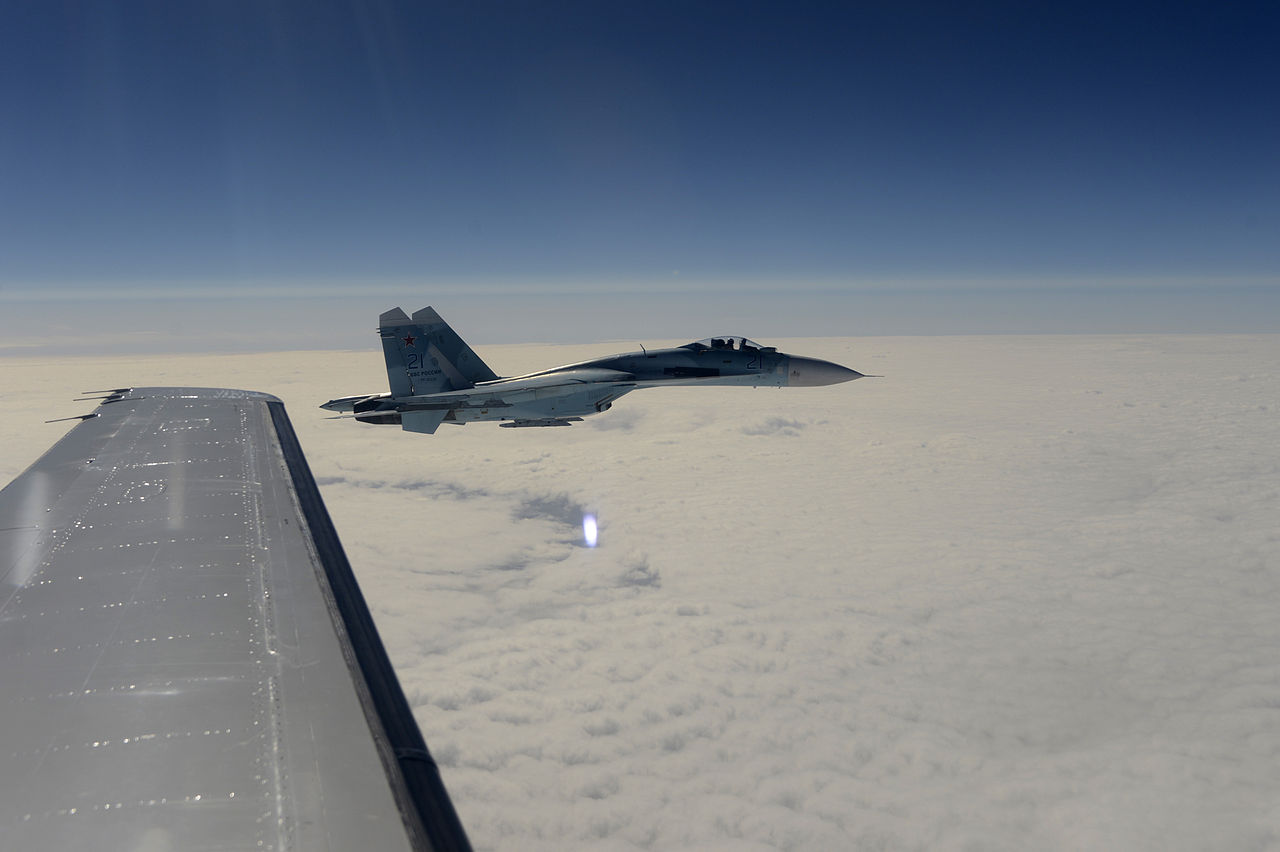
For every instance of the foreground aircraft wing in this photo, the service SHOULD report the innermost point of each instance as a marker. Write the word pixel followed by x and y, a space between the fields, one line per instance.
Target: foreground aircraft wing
pixel 186 661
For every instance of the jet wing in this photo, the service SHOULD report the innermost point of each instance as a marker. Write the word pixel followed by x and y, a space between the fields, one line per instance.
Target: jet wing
pixel 496 393
pixel 556 378
pixel 186 661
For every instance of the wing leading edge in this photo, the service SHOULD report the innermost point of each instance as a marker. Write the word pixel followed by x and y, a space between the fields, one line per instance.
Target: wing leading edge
pixel 187 661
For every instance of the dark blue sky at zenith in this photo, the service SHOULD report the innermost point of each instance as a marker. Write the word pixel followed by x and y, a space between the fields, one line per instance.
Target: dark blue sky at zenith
pixel 868 151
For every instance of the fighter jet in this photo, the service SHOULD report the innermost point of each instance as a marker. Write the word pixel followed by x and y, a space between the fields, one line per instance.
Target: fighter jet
pixel 436 378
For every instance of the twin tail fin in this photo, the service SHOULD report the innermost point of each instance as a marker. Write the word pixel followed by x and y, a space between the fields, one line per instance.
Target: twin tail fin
pixel 424 355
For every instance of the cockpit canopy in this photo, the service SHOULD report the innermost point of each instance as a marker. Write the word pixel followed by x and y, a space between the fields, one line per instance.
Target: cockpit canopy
pixel 728 342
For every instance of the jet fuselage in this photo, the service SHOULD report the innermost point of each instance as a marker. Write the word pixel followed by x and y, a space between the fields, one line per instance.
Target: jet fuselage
pixel 436 378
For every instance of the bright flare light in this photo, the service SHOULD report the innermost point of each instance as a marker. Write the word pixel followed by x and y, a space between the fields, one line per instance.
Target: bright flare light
pixel 589 533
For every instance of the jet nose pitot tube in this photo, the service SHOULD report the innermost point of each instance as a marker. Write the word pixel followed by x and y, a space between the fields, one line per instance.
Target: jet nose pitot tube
pixel 812 372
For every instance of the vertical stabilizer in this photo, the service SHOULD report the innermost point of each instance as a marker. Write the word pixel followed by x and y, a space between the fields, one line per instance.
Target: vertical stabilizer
pixel 424 355
pixel 392 326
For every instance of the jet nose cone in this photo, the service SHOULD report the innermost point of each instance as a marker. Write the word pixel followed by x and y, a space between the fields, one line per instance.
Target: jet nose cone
pixel 812 372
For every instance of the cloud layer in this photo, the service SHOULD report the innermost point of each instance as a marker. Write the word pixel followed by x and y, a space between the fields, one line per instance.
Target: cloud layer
pixel 1020 593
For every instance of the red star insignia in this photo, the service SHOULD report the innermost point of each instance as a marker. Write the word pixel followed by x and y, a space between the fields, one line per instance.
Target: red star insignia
pixel 408 339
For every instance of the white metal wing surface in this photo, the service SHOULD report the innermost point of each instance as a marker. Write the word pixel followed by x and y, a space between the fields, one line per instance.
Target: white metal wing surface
pixel 186 661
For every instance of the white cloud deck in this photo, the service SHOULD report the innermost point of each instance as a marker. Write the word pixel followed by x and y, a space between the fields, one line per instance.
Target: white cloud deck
pixel 1019 593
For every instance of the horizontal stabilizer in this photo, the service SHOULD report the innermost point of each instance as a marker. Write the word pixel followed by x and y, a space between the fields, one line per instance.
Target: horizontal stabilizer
pixel 422 421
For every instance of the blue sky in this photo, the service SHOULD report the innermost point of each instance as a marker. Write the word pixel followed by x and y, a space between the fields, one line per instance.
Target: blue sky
pixel 930 166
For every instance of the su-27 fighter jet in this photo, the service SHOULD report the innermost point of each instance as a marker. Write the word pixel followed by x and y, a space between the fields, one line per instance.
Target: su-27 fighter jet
pixel 436 378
